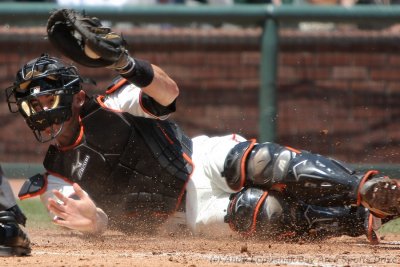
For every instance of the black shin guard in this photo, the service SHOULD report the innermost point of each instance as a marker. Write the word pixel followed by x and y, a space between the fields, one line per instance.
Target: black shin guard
pixel 311 178
pixel 254 212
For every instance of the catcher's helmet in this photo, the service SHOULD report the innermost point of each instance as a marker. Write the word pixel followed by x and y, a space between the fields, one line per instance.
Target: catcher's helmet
pixel 44 77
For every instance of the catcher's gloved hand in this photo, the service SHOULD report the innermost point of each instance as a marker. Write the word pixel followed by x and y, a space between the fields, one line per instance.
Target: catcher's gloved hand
pixel 86 41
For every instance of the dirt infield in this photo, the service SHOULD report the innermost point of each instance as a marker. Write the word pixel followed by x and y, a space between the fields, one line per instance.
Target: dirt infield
pixel 55 247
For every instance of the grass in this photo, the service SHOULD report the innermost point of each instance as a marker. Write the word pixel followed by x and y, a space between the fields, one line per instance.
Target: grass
pixel 391 227
pixel 36 213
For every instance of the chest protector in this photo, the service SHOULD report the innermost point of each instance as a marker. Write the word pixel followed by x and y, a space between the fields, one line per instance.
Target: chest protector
pixel 130 166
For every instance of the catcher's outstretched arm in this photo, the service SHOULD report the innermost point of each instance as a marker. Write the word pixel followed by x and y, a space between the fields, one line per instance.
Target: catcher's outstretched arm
pixel 86 41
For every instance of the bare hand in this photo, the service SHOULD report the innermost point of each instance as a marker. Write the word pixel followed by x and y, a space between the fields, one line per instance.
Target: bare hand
pixel 80 214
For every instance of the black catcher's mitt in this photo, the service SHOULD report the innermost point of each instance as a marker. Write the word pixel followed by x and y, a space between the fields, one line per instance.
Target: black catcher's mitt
pixel 85 40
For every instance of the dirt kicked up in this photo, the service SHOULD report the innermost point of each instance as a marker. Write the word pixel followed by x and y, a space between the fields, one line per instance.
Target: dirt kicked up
pixel 61 247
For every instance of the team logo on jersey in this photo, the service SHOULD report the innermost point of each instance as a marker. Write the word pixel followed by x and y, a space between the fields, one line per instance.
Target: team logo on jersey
pixel 80 166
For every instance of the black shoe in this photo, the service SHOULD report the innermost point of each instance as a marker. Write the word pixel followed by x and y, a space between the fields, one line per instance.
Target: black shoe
pixel 13 240
pixel 381 196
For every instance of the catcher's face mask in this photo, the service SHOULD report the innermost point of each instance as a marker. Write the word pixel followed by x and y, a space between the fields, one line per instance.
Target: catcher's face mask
pixel 43 94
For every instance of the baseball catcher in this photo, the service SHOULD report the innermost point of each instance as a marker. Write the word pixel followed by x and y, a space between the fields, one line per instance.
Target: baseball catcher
pixel 117 160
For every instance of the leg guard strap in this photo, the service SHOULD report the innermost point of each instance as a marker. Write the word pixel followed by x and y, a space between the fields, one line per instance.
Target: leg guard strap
pixel 235 165
pixel 366 177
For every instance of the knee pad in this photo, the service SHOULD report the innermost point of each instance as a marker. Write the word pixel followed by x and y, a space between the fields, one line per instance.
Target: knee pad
pixel 254 212
pixel 251 164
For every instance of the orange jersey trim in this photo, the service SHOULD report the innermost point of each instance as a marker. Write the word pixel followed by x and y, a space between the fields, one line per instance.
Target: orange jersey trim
pixel 100 100
pixel 116 86
pixel 77 141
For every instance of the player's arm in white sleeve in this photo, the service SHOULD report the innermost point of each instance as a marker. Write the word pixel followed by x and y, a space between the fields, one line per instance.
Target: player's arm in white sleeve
pixel 71 207
pixel 156 100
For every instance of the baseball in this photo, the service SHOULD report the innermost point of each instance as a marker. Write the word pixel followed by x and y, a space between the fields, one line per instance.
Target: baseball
pixel 90 53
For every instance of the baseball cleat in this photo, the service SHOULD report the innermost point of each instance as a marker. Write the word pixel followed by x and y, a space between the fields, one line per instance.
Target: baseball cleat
pixel 13 240
pixel 381 196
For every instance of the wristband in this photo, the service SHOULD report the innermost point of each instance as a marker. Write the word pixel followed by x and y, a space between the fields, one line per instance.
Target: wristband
pixel 139 72
pixel 130 64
